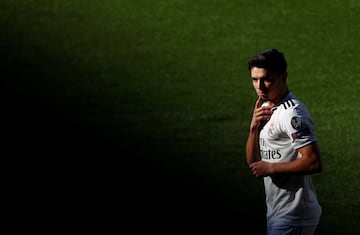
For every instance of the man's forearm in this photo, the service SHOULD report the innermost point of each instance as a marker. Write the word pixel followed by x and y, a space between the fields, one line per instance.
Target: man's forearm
pixel 309 163
pixel 252 147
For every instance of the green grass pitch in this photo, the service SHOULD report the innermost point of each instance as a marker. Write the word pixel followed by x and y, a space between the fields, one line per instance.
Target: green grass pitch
pixel 150 101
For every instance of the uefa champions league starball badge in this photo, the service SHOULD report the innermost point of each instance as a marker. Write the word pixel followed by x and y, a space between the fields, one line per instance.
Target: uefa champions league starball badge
pixel 296 123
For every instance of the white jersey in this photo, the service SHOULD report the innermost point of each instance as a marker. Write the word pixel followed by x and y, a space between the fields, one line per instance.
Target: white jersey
pixel 290 199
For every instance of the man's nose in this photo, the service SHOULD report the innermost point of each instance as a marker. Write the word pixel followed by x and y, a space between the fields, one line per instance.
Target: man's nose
pixel 261 84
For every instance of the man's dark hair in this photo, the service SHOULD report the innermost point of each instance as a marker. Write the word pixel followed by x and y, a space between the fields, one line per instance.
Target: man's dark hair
pixel 270 59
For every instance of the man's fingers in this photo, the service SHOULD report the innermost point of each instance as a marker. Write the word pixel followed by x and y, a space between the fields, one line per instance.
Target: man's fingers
pixel 263 113
pixel 258 103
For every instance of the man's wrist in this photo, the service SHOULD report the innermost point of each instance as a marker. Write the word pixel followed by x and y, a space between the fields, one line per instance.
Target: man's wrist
pixel 254 129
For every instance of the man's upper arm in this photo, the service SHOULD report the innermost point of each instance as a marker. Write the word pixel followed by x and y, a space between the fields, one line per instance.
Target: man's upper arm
pixel 311 156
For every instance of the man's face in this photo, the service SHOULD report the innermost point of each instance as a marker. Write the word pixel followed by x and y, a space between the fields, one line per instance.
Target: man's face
pixel 268 86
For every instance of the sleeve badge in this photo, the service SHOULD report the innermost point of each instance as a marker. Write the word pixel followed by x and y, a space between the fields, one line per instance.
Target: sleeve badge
pixel 296 123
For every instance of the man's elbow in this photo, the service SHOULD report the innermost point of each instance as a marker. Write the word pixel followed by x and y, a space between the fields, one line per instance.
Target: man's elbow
pixel 317 167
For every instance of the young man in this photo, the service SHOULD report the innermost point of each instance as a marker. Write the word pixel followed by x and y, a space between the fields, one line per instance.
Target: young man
pixel 282 148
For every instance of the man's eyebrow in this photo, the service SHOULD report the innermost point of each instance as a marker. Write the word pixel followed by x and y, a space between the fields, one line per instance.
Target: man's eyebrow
pixel 263 77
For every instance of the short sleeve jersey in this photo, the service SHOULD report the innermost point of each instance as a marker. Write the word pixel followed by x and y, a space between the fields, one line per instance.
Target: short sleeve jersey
pixel 290 199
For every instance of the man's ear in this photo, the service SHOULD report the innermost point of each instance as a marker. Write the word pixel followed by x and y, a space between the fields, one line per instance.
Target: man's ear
pixel 284 76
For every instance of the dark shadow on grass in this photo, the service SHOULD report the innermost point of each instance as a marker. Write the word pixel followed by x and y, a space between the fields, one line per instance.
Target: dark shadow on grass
pixel 66 167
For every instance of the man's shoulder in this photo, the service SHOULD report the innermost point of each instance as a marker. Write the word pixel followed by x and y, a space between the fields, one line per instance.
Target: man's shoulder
pixel 289 104
pixel 290 108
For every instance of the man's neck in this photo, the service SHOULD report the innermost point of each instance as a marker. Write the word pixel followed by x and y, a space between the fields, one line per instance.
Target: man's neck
pixel 279 98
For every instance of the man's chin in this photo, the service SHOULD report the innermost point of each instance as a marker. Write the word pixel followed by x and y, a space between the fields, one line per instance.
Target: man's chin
pixel 264 98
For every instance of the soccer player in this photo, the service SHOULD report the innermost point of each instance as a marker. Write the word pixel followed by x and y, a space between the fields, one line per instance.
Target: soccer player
pixel 282 148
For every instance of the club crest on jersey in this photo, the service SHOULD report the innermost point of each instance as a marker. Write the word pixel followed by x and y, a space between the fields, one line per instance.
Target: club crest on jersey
pixel 296 123
pixel 271 129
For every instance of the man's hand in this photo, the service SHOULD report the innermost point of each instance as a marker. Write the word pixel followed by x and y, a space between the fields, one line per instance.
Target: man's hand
pixel 260 115
pixel 261 168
